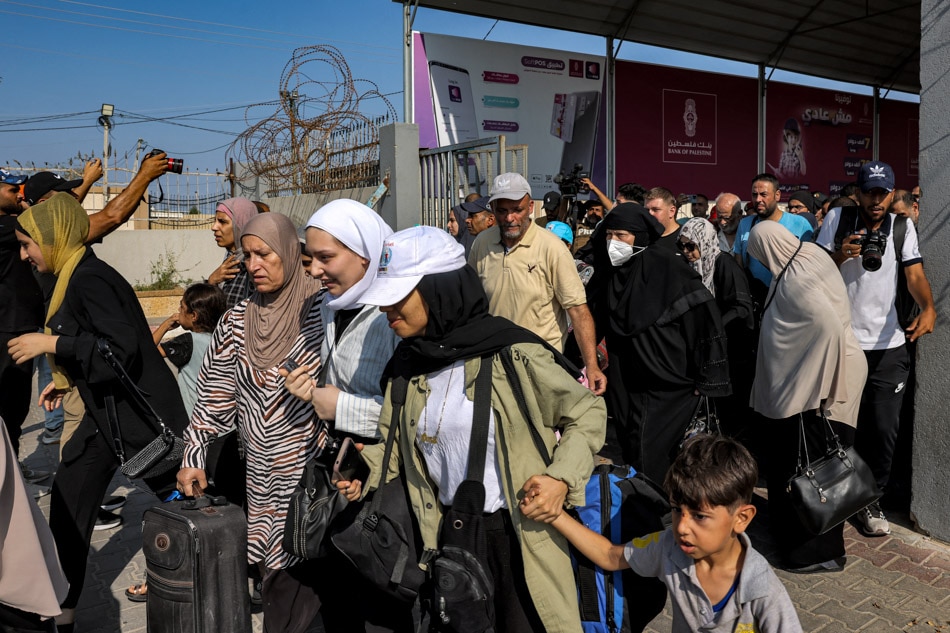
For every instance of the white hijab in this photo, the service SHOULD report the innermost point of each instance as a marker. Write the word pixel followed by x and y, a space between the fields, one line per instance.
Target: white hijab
pixel 361 230
pixel 808 355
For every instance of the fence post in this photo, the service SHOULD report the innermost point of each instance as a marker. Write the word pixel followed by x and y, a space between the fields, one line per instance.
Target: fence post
pixel 399 157
pixel 502 159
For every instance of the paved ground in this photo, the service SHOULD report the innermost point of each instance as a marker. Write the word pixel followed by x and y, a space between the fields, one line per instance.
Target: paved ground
pixel 896 583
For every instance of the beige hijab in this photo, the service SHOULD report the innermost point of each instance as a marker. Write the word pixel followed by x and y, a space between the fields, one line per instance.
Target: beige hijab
pixel 274 319
pixel 808 355
pixel 30 577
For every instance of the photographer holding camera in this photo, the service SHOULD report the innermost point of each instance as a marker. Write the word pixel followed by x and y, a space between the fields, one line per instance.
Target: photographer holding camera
pixel 874 250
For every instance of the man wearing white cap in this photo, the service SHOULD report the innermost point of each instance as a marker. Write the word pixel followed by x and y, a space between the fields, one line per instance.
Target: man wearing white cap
pixel 530 278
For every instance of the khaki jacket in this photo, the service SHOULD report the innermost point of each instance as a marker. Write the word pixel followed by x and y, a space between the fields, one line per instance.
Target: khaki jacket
pixel 554 400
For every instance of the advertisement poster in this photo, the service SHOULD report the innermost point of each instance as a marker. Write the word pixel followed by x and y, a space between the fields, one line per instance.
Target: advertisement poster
pixel 690 124
pixel 688 131
pixel 900 140
pixel 816 139
pixel 466 89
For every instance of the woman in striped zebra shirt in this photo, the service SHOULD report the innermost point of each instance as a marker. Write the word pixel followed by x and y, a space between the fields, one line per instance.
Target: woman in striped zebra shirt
pixel 239 384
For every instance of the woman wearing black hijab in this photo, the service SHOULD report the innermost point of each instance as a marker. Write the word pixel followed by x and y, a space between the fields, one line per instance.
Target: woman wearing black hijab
pixel 435 302
pixel 664 339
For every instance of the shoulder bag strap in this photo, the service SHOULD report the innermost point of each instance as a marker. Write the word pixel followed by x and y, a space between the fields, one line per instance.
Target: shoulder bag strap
pixel 397 396
pixel 134 391
pixel 515 384
pixel 779 278
pixel 478 446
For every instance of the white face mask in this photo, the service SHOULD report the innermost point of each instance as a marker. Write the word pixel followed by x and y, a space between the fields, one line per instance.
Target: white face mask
pixel 621 252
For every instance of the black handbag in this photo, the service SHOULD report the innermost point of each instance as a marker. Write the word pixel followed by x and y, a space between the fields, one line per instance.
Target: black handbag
pixel 705 420
pixel 383 541
pixel 160 455
pixel 315 501
pixel 827 491
pixel 463 589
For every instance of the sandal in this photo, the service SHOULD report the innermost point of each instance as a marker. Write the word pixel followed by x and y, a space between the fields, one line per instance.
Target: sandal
pixel 137 593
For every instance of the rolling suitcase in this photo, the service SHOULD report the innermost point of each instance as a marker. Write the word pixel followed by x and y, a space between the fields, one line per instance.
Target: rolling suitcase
pixel 196 561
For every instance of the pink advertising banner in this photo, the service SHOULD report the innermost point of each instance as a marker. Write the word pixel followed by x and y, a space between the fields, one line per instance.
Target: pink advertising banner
pixel 688 131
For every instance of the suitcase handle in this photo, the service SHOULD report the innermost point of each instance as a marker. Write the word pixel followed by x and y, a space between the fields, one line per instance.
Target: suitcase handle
pixel 204 502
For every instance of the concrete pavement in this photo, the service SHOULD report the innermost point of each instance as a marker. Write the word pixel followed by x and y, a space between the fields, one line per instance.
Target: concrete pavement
pixel 896 583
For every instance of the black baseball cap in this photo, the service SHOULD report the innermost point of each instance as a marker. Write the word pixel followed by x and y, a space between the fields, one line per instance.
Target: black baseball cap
pixel 476 206
pixel 872 175
pixel 45 181
pixel 552 200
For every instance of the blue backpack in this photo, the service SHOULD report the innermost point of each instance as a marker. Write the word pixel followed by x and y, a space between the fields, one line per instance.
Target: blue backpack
pixel 621 505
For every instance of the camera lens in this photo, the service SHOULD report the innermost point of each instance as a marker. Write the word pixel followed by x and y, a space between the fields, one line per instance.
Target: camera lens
pixel 175 165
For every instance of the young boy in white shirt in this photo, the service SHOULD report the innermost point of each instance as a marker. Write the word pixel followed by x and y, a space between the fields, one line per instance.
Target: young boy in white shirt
pixel 717 581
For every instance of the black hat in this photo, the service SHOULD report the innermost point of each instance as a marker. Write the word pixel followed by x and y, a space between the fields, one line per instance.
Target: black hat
pixel 552 200
pixel 475 206
pixel 45 181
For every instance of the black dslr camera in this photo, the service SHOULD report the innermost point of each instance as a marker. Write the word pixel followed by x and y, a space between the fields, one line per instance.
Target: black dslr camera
pixel 175 165
pixel 570 184
pixel 872 246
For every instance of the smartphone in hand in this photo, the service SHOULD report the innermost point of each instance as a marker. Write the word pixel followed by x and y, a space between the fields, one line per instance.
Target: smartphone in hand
pixel 349 464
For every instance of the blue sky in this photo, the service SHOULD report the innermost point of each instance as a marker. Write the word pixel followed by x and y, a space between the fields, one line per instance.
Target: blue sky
pixel 181 60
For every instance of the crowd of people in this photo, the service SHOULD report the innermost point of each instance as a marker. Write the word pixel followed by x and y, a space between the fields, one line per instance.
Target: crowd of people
pixel 601 331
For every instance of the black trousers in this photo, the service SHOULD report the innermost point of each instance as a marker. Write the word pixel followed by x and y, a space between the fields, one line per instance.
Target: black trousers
pixel 514 608
pixel 797 546
pixel 649 427
pixel 12 620
pixel 881 401
pixel 16 387
pixel 77 492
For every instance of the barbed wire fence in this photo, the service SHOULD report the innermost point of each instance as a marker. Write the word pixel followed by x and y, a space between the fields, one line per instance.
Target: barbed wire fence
pixel 320 137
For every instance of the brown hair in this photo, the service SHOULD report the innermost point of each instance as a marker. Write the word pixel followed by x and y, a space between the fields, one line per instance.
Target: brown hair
pixel 711 470
pixel 660 193
pixel 207 302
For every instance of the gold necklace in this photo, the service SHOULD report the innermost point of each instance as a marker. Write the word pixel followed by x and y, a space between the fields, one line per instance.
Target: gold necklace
pixel 434 439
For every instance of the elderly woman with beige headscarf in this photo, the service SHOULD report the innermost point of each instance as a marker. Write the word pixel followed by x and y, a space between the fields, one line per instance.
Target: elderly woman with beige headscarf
pixel 808 359
pixel 239 384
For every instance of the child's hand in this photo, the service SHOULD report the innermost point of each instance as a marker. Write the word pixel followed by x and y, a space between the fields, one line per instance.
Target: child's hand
pixel 543 498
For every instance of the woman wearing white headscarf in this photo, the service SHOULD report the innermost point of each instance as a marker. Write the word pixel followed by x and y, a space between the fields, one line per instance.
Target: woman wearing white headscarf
pixel 808 358
pixel 345 240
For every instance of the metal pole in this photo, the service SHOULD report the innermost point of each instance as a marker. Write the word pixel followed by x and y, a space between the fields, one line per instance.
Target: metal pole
pixel 761 136
pixel 407 63
pixel 106 124
pixel 876 130
pixel 609 89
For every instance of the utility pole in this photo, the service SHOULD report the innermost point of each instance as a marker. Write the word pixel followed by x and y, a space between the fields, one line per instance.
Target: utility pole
pixel 105 119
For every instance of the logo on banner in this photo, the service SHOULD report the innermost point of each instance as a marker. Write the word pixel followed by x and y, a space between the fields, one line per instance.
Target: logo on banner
pixel 576 68
pixel 689 127
pixel 689 117
pixel 593 70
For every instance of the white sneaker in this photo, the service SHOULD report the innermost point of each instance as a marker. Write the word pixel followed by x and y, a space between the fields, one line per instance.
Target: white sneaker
pixel 871 522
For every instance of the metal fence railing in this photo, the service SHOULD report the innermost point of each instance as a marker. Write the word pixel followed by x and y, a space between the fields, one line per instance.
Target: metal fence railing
pixel 450 173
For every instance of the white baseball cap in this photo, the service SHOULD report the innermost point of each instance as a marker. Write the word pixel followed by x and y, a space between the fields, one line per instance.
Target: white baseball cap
pixel 510 186
pixel 408 256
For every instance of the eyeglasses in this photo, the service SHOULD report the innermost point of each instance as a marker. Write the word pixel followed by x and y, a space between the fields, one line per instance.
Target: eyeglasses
pixel 687 246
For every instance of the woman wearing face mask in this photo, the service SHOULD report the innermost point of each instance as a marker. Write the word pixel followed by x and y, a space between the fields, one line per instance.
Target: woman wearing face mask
pixel 664 337
pixel 345 239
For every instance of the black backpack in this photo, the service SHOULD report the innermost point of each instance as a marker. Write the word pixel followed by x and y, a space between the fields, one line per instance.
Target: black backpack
pixel 907 308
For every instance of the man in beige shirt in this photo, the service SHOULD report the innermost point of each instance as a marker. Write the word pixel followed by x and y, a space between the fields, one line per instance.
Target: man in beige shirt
pixel 530 278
